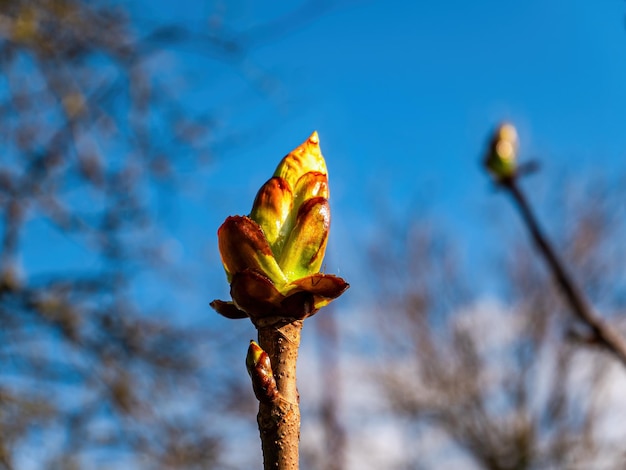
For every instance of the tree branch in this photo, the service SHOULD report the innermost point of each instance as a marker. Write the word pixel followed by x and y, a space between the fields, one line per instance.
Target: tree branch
pixel 279 418
pixel 602 332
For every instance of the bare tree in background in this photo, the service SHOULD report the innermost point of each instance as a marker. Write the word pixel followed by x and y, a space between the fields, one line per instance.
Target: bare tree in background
pixel 89 128
pixel 504 386
pixel 330 450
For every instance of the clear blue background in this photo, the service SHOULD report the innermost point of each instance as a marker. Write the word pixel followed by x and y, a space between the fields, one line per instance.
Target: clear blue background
pixel 404 96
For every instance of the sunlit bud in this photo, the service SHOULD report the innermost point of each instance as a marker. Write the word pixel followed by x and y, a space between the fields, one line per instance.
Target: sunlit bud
pixel 303 159
pixel 501 157
pixel 304 249
pixel 272 254
pixel 283 211
pixel 243 246
pixel 271 210
pixel 260 371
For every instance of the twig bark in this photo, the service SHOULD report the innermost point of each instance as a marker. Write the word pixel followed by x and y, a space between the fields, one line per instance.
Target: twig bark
pixel 602 332
pixel 279 419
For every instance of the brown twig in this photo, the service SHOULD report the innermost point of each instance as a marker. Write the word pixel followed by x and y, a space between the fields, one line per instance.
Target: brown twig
pixel 279 418
pixel 602 332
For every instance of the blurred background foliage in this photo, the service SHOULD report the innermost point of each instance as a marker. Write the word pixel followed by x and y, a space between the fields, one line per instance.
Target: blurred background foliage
pixel 92 129
pixel 96 373
pixel 512 383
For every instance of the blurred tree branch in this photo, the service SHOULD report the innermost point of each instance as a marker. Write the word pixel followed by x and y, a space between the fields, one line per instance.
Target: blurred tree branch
pixel 501 385
pixel 601 332
pixel 90 129
pixel 501 160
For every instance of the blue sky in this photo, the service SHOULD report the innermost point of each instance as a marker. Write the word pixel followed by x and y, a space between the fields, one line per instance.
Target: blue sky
pixel 404 96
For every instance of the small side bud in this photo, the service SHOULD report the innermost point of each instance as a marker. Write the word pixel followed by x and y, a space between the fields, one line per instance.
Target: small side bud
pixel 260 371
pixel 501 156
